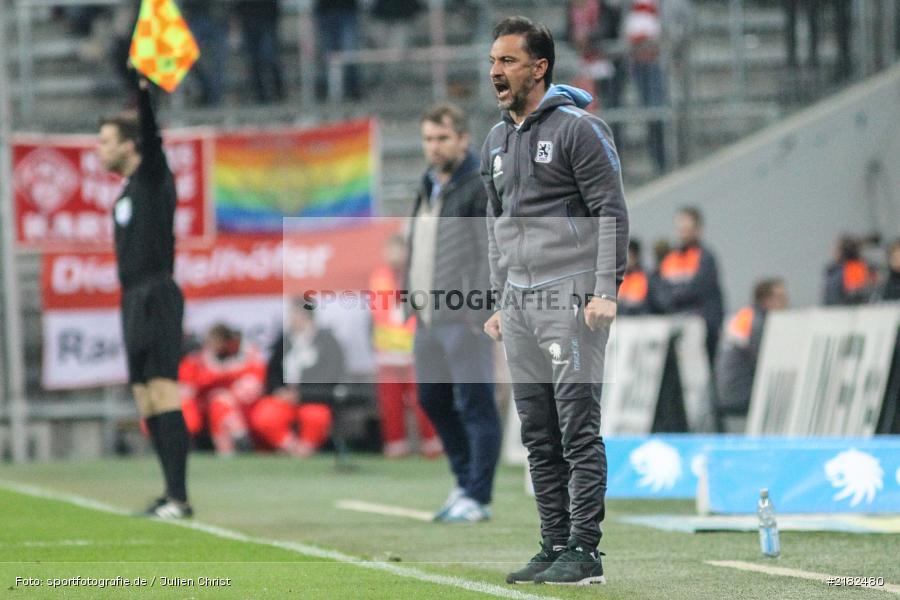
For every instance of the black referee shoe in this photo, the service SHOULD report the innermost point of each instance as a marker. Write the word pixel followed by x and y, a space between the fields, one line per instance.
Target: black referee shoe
pixel 576 566
pixel 151 509
pixel 539 563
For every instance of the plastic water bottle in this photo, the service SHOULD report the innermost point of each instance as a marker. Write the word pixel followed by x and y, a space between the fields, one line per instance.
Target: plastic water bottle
pixel 768 528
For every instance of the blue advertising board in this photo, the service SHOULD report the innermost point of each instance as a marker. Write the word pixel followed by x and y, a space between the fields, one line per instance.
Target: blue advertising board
pixel 818 476
pixel 803 474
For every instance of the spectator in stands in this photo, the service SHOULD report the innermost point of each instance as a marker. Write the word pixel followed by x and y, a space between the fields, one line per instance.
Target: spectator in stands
pixel 593 27
pixel 736 361
pixel 889 290
pixel 393 21
pixel 643 32
pixel 393 333
pixel 791 8
pixel 305 366
pixel 658 294
pixel 849 279
pixel 220 385
pixel 123 23
pixel 453 357
pixel 80 19
pixel 208 21
pixel 633 293
pixel 842 29
pixel 337 22
pixel 259 22
pixel 692 277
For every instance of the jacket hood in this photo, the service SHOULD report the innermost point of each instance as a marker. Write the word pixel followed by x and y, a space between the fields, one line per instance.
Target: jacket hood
pixel 557 95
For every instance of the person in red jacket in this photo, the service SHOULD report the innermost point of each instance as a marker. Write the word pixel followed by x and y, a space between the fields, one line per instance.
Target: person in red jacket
pixel 223 387
pixel 219 383
pixel 392 334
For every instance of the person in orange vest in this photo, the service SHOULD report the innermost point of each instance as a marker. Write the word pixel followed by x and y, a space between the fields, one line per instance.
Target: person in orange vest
pixel 736 360
pixel 633 293
pixel 393 334
pixel 692 277
pixel 849 279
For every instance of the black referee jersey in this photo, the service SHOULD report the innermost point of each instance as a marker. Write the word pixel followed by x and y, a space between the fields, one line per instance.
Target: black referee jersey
pixel 144 214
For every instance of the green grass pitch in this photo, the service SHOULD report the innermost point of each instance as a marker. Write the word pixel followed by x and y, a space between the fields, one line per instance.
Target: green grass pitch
pixel 286 539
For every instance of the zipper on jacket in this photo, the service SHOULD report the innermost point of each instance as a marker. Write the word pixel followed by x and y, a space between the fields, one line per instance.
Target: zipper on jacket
pixel 572 223
pixel 515 205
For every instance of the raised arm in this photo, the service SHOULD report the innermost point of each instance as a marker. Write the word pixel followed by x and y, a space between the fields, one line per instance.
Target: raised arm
pixel 152 154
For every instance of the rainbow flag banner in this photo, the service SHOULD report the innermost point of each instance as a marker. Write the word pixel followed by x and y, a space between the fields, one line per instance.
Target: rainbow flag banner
pixel 260 176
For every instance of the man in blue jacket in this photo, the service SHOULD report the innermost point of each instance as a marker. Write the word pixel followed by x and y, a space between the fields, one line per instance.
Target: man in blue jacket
pixel 557 239
pixel 453 357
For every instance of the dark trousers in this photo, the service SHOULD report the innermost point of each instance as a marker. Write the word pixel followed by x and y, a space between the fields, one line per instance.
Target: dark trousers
pixel 339 30
pixel 556 364
pixel 262 45
pixel 454 369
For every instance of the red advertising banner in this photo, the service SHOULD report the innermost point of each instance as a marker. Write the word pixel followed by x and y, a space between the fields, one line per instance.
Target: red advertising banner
pixel 237 265
pixel 242 280
pixel 63 196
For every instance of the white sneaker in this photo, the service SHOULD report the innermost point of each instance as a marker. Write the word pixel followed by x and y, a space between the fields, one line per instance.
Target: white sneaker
pixel 455 494
pixel 172 509
pixel 466 510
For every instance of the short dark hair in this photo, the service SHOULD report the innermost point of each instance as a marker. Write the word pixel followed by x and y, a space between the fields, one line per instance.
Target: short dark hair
pixel 848 247
pixel 635 247
pixel 538 40
pixel 694 213
pixel 129 127
pixel 764 288
pixel 441 112
pixel 223 332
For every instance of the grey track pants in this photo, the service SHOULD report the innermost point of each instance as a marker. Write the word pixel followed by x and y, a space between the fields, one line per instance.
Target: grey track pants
pixel 556 364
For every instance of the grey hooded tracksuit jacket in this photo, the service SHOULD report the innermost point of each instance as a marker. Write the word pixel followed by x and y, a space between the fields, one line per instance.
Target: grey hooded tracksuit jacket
pixel 557 234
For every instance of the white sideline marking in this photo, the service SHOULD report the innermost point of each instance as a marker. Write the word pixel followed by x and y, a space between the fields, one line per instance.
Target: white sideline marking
pixel 786 572
pixel 408 572
pixel 62 543
pixel 384 509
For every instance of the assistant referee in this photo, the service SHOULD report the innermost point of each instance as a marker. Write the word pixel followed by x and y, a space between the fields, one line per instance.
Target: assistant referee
pixel 152 303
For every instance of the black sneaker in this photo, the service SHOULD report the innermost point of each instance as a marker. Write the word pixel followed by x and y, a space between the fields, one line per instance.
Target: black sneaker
pixel 539 562
pixel 576 566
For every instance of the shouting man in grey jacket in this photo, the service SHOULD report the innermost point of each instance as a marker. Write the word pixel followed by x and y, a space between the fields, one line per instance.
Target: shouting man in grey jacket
pixel 557 237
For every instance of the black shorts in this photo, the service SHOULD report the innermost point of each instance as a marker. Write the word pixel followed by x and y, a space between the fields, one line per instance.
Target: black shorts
pixel 152 312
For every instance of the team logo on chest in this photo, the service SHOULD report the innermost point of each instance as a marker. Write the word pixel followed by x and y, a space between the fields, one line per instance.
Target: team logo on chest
pixel 544 152
pixel 497 169
pixel 123 211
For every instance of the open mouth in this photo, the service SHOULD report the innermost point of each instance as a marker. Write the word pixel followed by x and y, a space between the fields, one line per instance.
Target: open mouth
pixel 502 89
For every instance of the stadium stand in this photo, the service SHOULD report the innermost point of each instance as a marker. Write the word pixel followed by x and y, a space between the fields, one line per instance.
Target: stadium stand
pixel 733 81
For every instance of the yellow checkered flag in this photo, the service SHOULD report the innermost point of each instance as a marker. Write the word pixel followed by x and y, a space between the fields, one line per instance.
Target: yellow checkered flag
pixel 162 47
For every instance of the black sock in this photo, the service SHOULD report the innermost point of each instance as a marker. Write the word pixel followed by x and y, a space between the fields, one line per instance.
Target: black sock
pixel 153 427
pixel 174 444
